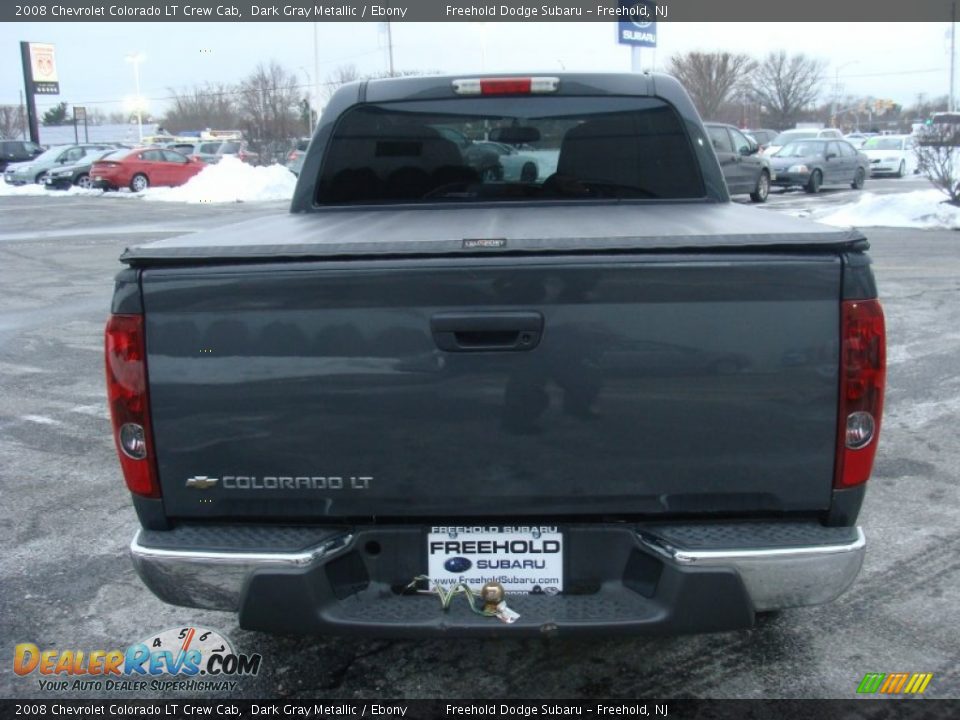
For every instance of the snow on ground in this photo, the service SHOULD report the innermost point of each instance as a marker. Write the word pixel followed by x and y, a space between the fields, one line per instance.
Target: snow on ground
pixel 228 181
pixel 922 209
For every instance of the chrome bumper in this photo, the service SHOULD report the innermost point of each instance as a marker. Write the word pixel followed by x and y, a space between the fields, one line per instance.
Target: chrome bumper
pixel 215 580
pixel 774 578
pixel 779 577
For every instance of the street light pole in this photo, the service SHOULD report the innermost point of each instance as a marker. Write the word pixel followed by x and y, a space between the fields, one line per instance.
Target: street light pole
pixel 136 59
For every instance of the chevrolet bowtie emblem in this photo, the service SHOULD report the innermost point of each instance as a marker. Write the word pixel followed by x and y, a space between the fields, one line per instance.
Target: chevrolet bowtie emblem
pixel 202 482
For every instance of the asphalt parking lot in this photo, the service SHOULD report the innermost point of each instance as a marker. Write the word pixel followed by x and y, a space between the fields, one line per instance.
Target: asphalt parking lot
pixel 66 519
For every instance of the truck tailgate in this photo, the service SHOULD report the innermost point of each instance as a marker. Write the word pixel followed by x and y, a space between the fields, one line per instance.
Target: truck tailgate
pixel 556 385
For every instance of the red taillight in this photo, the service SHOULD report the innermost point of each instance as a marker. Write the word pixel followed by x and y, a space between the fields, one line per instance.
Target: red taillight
pixel 863 372
pixel 125 351
pixel 505 86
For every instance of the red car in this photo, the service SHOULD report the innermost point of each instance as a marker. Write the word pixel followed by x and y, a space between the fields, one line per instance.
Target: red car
pixel 140 168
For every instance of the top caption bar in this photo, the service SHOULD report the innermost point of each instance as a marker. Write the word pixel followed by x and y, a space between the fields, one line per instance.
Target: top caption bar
pixel 445 11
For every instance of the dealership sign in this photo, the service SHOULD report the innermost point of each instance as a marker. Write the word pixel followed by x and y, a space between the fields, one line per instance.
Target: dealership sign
pixel 636 26
pixel 43 69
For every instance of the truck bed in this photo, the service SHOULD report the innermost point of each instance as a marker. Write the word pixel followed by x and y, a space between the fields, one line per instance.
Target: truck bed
pixel 569 228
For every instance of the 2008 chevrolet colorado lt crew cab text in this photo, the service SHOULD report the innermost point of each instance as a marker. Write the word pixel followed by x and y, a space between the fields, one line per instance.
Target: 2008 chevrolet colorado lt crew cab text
pixel 636 406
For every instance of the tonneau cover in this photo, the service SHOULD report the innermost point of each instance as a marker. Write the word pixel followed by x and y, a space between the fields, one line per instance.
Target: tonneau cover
pixel 347 233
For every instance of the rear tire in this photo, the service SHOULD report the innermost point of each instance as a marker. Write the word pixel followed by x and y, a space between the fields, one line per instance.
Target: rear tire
pixel 762 190
pixel 813 184
pixel 39 178
pixel 84 182
pixel 902 170
pixel 139 182
pixel 859 178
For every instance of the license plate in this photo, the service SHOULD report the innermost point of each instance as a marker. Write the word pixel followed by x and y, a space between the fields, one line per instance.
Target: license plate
pixel 522 559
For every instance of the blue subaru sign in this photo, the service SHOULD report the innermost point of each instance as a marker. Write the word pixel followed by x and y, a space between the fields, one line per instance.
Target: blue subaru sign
pixel 636 26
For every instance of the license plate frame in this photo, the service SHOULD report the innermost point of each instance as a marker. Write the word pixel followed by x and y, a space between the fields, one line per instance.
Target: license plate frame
pixel 524 560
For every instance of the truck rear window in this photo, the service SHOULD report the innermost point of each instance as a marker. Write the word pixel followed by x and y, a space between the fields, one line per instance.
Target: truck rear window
pixel 509 148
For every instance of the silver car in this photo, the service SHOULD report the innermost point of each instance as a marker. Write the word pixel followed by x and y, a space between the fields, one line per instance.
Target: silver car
pixel 58 156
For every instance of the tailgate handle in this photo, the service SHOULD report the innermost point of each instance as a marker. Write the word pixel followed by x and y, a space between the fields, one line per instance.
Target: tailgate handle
pixel 478 332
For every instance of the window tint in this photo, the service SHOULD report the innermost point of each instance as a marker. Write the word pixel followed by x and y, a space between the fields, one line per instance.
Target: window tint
pixel 209 148
pixel 719 138
pixel 152 156
pixel 740 141
pixel 846 150
pixel 175 157
pixel 229 148
pixel 73 154
pixel 559 148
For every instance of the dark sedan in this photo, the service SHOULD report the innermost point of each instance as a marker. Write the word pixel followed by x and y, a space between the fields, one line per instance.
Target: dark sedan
pixel 78 173
pixel 813 163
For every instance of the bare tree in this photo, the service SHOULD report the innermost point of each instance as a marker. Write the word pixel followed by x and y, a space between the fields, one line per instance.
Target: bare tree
pixel 213 105
pixel 342 75
pixel 938 157
pixel 712 79
pixel 11 121
pixel 786 84
pixel 348 73
pixel 269 104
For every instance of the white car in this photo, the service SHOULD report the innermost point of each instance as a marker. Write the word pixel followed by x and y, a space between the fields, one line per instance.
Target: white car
pixel 891 154
pixel 789 136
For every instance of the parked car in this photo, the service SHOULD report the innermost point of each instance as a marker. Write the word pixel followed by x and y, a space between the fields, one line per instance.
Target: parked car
pixel 802 134
pixel 815 163
pixel 77 173
pixel 763 136
pixel 239 150
pixel 17 151
pixel 746 171
pixel 204 151
pixel 366 435
pixel 500 161
pixel 59 155
pixel 141 168
pixel 296 155
pixel 891 154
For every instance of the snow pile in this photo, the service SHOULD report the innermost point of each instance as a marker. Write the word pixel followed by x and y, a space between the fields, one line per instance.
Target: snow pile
pixel 21 190
pixel 230 180
pixel 923 209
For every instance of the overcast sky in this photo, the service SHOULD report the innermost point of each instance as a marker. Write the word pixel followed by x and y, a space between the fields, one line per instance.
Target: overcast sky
pixel 895 61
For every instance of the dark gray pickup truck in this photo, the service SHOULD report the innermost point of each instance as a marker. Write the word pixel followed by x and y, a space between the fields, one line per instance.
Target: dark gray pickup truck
pixel 599 388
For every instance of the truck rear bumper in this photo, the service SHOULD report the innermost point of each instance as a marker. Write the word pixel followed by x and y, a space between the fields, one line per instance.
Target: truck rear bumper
pixel 655 579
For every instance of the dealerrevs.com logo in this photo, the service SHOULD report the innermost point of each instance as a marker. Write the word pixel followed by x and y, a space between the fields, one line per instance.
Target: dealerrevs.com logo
pixel 188 659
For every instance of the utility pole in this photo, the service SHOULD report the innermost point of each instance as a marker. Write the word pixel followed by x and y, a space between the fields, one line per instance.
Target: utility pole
pixel 953 45
pixel 316 74
pixel 390 48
